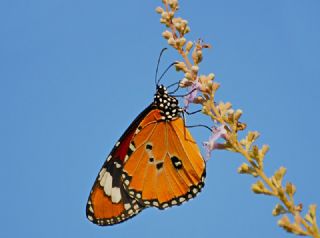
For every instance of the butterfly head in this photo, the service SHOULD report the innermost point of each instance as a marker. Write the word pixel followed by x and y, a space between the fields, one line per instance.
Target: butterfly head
pixel 167 104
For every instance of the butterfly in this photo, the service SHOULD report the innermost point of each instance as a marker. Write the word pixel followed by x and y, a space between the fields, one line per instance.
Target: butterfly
pixel 155 163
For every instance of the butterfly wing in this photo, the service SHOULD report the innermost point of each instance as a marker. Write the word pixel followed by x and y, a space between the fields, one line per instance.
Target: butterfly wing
pixel 166 167
pixel 108 202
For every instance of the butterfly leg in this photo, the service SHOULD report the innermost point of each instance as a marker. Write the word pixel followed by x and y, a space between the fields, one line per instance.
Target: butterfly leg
pixel 180 96
pixel 191 113
pixel 192 126
pixel 177 83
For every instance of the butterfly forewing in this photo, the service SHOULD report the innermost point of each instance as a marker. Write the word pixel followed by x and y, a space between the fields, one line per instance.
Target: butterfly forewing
pixel 109 203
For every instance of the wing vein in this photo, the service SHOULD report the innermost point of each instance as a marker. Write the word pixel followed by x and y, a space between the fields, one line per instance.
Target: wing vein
pixel 164 168
pixel 178 171
pixel 183 149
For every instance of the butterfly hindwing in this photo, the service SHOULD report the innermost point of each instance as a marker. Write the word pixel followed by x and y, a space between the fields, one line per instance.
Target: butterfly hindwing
pixel 109 203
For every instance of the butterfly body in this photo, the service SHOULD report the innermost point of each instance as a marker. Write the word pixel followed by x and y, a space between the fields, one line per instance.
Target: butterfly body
pixel 155 163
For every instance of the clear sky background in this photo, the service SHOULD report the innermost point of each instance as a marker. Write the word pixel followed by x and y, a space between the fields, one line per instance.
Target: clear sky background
pixel 74 74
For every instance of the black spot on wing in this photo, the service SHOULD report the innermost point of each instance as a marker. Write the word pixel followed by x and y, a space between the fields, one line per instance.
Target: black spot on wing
pixel 177 163
pixel 159 165
pixel 149 147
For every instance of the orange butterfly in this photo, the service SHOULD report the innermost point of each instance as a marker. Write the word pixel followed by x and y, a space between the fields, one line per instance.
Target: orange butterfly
pixel 156 163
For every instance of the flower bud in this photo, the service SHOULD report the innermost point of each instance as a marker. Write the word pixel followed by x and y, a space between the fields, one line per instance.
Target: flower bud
pixel 265 149
pixel 180 66
pixel 189 46
pixel 163 21
pixel 164 15
pixel 185 83
pixel 173 4
pixel 227 105
pixel 181 41
pixel 199 100
pixel 237 114
pixel 311 215
pixel 290 189
pixel 258 187
pixel 171 41
pixel 188 75
pixel 187 30
pixel 195 69
pixel 211 77
pixel 167 34
pixel 279 174
pixel 159 10
pixel 215 86
pixel 243 169
pixel 279 209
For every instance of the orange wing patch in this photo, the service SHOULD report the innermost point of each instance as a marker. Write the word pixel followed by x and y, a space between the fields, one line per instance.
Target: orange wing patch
pixel 166 167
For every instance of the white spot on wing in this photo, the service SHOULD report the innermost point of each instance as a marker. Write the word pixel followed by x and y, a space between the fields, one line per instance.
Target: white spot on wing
pixel 117 144
pixel 126 158
pixel 182 199
pixel 127 206
pixel 115 195
pixel 90 209
pixel 137 131
pixel 173 202
pixel 109 157
pixel 103 179
pixel 131 146
pixel 130 211
pixel 102 172
pixel 90 218
pixel 108 184
pixel 117 165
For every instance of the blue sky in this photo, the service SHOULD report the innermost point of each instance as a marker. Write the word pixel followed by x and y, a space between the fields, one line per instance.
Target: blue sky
pixel 74 74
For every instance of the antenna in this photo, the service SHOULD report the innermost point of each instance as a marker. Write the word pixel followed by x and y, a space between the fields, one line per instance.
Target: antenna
pixel 155 79
pixel 172 64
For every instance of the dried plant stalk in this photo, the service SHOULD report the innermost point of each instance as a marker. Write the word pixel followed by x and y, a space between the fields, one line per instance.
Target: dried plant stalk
pixel 226 123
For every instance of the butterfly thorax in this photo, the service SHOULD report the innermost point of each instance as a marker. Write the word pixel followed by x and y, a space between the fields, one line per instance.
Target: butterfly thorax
pixel 167 105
